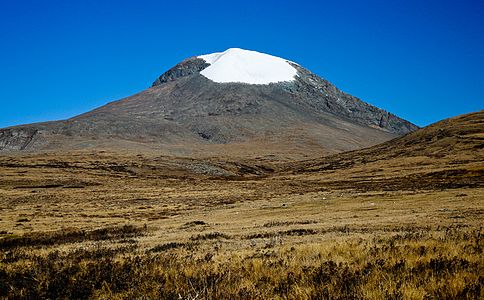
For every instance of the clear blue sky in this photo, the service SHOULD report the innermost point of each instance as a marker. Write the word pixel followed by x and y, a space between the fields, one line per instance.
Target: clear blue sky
pixel 422 60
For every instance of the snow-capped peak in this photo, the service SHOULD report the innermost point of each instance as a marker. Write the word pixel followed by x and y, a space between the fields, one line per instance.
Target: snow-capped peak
pixel 239 65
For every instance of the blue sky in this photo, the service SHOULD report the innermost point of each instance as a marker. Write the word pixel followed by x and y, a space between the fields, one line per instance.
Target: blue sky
pixel 422 60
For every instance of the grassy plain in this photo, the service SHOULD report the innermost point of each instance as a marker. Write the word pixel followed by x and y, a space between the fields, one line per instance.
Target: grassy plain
pixel 401 220
pixel 99 225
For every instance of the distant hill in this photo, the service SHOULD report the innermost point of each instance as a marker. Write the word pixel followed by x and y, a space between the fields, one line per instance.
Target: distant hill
pixel 447 154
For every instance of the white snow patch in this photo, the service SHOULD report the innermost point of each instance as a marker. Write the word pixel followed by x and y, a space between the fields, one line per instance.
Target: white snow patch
pixel 239 65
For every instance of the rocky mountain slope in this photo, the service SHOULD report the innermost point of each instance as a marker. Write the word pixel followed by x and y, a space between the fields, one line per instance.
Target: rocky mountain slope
pixel 237 102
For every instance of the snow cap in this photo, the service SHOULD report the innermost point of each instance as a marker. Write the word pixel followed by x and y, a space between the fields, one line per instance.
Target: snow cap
pixel 245 66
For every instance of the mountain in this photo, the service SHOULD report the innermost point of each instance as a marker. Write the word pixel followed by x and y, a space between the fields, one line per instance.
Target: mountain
pixel 237 102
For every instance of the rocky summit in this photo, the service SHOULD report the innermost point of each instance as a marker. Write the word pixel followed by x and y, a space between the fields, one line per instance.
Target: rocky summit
pixel 237 103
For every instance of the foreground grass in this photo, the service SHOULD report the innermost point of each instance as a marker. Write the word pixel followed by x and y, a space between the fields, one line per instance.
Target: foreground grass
pixel 413 263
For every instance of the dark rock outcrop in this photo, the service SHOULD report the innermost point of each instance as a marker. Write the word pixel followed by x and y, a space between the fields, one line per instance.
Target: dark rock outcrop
pixel 325 96
pixel 16 138
pixel 185 68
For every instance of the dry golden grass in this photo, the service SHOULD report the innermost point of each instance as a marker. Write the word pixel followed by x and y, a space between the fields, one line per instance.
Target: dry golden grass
pixel 106 226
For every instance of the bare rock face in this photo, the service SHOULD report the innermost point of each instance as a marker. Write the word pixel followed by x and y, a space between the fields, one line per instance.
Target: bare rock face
pixel 184 112
pixel 185 68
pixel 16 138
pixel 326 96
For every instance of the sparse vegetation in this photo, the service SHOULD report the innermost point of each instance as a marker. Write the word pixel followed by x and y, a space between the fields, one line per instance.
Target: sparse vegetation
pixel 287 223
pixel 69 236
pixel 210 236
